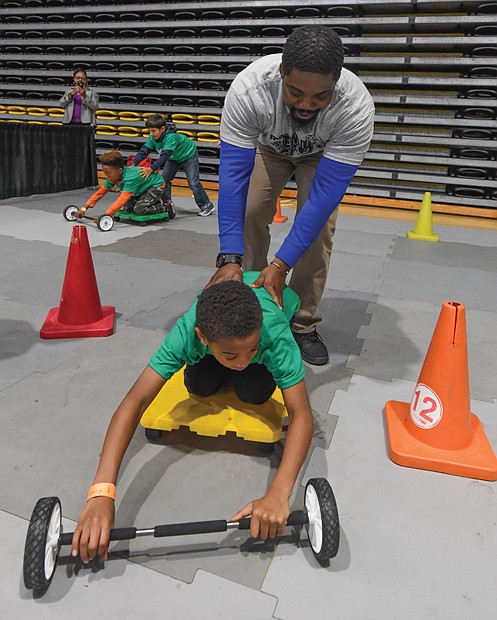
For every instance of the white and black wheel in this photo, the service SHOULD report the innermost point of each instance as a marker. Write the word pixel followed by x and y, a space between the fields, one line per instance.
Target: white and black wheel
pixel 323 529
pixel 42 543
pixel 105 222
pixel 70 213
pixel 170 209
pixel 152 434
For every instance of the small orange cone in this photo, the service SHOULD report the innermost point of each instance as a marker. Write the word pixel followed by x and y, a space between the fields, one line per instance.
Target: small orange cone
pixel 423 230
pixel 79 314
pixel 278 218
pixel 437 430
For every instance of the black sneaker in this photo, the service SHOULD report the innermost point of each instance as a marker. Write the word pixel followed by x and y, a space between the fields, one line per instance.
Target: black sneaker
pixel 312 348
pixel 170 209
pixel 206 210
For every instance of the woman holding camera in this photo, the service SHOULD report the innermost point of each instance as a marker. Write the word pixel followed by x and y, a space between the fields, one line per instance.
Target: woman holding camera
pixel 80 102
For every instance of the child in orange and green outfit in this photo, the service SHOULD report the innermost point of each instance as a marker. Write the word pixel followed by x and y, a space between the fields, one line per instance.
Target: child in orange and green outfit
pixel 141 195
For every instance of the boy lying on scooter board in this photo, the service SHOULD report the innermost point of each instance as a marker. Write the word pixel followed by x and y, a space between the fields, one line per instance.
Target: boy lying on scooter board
pixel 138 194
pixel 231 333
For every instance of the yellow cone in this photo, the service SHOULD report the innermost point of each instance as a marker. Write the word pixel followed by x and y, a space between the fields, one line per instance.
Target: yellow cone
pixel 424 224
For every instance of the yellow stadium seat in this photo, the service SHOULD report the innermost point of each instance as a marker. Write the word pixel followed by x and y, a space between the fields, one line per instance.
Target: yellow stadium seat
pixel 184 119
pixel 55 112
pixel 207 136
pixel 106 115
pixel 37 111
pixel 189 134
pixel 16 109
pixel 130 116
pixel 132 132
pixel 106 130
pixel 209 119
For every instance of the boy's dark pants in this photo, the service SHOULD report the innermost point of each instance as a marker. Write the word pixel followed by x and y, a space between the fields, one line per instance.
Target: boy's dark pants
pixel 253 385
pixel 148 203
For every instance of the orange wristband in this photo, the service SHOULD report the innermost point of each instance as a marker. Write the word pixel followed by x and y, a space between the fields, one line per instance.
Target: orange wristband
pixel 103 489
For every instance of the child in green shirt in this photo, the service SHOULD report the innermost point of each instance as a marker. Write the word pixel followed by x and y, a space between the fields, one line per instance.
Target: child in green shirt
pixel 175 151
pixel 138 194
pixel 232 333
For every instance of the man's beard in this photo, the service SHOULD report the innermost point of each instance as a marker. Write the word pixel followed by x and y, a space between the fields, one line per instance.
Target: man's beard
pixel 301 122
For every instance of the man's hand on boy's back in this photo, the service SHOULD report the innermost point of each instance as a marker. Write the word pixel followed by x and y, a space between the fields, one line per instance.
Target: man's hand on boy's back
pixel 272 279
pixel 230 271
pixel 146 172
pixel 91 536
pixel 269 515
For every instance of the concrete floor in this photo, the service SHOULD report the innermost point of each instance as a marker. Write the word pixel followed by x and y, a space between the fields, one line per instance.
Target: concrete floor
pixel 414 544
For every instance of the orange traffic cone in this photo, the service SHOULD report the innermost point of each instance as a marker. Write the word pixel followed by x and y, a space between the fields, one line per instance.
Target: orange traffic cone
pixel 278 218
pixel 437 430
pixel 79 314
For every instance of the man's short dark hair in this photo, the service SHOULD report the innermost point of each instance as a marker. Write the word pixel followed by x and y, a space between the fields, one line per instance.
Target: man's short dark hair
pixel 114 159
pixel 155 120
pixel 313 49
pixel 80 71
pixel 228 310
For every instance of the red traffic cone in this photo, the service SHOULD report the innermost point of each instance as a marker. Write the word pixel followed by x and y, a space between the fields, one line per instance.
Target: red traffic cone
pixel 79 314
pixel 278 218
pixel 437 430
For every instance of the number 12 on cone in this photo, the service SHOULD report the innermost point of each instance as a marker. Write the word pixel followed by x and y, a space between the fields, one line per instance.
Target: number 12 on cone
pixel 426 407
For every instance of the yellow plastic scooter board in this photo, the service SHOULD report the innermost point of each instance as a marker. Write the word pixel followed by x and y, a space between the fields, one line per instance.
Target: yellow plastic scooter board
pixel 215 415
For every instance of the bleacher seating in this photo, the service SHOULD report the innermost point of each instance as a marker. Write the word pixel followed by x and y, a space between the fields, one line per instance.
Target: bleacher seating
pixel 431 67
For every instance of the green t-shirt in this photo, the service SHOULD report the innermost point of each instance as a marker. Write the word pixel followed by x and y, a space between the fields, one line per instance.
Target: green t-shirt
pixel 181 147
pixel 278 350
pixel 134 182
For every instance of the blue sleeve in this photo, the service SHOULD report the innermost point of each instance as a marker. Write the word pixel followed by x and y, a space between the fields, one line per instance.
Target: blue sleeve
pixel 235 168
pixel 330 183
pixel 140 156
pixel 161 160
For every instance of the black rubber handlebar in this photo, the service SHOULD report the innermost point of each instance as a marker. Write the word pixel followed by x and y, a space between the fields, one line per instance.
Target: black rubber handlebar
pixel 299 517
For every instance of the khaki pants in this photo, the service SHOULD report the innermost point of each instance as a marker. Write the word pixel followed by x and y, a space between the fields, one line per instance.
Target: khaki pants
pixel 271 173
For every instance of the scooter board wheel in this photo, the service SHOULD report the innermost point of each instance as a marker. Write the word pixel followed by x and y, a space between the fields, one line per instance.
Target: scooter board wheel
pixel 323 529
pixel 152 434
pixel 70 213
pixel 105 222
pixel 42 544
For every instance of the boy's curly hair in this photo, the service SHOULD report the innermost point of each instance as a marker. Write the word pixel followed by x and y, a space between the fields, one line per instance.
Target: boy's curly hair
pixel 228 310
pixel 114 159
pixel 313 49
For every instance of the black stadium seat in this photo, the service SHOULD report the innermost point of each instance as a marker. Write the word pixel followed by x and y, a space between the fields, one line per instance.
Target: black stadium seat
pixel 184 67
pixel 180 101
pixel 104 66
pixel 128 99
pixel 183 84
pixel 130 66
pixel 153 84
pixel 213 50
pixel 148 100
pixel 477 113
pixel 212 14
